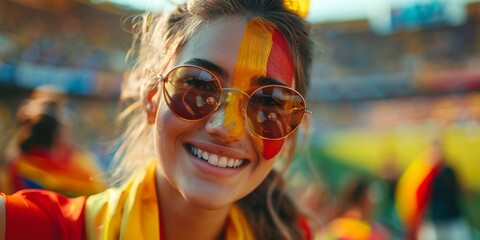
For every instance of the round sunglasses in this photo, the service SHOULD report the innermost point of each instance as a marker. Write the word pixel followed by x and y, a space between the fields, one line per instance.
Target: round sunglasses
pixel 272 112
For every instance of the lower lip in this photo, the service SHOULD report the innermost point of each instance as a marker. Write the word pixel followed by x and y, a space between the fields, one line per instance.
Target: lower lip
pixel 203 166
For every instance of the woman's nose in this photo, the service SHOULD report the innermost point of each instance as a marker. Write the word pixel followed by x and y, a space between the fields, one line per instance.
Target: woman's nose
pixel 227 122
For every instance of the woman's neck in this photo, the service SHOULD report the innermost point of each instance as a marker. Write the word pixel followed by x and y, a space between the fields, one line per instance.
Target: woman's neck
pixel 180 219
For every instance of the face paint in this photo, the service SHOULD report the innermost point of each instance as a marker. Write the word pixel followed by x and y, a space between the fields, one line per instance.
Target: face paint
pixel 280 66
pixel 263 52
pixel 252 57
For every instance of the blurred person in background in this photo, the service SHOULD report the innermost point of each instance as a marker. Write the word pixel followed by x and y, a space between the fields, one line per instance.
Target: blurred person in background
pixel 201 157
pixel 42 154
pixel 353 216
pixel 428 198
pixel 445 218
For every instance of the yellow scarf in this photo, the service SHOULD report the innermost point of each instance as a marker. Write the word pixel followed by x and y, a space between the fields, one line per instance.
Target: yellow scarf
pixel 131 212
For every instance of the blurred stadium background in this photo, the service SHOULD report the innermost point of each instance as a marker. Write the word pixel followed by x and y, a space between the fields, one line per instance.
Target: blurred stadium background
pixel 381 90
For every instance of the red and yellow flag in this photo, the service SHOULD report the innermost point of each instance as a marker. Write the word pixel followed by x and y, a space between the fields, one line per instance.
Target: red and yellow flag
pixel 77 176
pixel 413 192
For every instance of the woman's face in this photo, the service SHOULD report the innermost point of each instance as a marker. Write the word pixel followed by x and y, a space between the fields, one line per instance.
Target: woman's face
pixel 245 56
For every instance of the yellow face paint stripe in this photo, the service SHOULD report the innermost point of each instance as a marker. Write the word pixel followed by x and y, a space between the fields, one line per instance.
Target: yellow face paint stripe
pixel 252 61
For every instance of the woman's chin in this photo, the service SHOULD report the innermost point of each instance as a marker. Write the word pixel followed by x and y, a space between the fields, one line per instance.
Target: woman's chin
pixel 209 201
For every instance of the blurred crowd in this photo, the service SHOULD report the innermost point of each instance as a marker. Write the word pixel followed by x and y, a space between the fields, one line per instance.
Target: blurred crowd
pixel 425 201
pixel 73 41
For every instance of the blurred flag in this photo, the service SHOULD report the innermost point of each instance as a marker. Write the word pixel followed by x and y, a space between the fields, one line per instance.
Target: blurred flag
pixel 345 228
pixel 413 192
pixel 79 176
pixel 301 7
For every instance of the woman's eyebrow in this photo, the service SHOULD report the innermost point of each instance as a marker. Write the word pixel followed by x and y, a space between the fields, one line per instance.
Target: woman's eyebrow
pixel 262 80
pixel 217 70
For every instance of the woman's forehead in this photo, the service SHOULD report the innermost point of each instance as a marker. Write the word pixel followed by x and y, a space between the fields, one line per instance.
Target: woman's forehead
pixel 216 41
pixel 243 48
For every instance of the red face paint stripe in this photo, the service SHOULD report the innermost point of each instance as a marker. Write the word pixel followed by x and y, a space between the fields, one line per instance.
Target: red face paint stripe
pixel 280 67
pixel 280 61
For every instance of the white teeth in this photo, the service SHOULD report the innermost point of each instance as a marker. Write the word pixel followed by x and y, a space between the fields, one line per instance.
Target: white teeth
pixel 238 163
pixel 222 162
pixel 214 160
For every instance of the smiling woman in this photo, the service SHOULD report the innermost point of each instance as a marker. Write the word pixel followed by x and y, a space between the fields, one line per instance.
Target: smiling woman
pixel 216 99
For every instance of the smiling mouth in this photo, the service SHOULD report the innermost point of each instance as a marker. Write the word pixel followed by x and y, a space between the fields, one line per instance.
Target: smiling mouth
pixel 214 159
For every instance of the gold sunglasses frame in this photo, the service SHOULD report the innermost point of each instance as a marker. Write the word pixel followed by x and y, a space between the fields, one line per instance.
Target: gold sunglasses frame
pixel 164 79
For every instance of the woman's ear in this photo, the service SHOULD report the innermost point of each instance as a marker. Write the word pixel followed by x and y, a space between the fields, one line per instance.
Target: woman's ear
pixel 150 100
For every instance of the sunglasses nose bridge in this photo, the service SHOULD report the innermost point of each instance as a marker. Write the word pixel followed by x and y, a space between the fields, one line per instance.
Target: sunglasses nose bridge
pixel 228 96
pixel 229 113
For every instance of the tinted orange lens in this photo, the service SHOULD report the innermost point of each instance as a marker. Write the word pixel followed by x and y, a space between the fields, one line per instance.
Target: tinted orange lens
pixel 191 92
pixel 273 112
